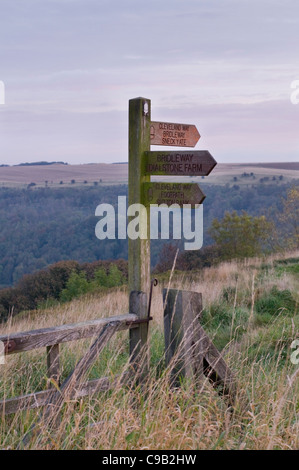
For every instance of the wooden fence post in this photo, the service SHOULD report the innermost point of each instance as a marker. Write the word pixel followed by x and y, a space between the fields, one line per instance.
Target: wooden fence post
pixel 53 365
pixel 182 311
pixel 189 352
pixel 138 336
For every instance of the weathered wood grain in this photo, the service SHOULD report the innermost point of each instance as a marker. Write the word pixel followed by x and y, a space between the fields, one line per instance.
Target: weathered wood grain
pixel 45 337
pixel 174 134
pixel 182 311
pixel 139 142
pixel 138 336
pixel 57 398
pixel 82 367
pixel 39 399
pixel 53 372
pixel 188 349
pixel 215 367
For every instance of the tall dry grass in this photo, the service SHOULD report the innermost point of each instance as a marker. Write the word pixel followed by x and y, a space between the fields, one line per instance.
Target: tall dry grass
pixel 154 415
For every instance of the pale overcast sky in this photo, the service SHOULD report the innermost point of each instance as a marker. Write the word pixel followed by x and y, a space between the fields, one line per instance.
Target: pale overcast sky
pixel 70 67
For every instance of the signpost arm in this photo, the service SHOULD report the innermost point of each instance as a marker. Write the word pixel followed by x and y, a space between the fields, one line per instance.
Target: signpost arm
pixel 139 249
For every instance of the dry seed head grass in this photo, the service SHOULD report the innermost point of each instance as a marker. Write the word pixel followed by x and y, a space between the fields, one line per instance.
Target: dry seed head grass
pixel 158 417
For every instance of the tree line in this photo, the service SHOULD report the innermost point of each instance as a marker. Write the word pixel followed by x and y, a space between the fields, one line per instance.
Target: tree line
pixel 60 282
pixel 241 235
pixel 235 235
pixel 41 226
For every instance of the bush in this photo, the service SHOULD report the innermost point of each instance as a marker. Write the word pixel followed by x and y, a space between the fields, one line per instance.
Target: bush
pixel 113 279
pixel 218 320
pixel 272 344
pixel 241 236
pixel 229 294
pixel 275 302
pixel 76 285
pixel 289 265
pixel 69 277
pixel 198 259
pixel 100 277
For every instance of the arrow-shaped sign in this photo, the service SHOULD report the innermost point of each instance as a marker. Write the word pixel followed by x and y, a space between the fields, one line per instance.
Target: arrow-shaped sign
pixel 180 163
pixel 172 193
pixel 176 135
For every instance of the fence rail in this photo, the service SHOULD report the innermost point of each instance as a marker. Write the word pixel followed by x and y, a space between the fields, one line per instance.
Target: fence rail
pixel 38 399
pixel 183 336
pixel 46 337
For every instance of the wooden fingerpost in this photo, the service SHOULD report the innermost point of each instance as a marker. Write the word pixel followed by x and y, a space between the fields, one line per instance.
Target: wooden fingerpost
pixel 183 346
pixel 139 243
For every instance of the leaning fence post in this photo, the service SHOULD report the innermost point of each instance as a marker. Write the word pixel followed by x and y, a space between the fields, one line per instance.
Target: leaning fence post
pixel 53 371
pixel 183 348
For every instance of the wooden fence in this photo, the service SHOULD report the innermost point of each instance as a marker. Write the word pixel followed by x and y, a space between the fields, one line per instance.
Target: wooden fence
pixel 50 338
pixel 185 341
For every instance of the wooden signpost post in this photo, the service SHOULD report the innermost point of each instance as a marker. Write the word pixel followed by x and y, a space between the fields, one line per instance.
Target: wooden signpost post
pixel 139 249
pixel 139 142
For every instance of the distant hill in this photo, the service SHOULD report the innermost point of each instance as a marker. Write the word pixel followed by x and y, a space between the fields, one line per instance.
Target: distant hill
pixel 278 165
pixel 41 163
pixel 56 174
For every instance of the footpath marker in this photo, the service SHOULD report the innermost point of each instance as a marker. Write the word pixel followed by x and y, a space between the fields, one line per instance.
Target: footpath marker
pixel 172 193
pixel 142 164
pixel 174 135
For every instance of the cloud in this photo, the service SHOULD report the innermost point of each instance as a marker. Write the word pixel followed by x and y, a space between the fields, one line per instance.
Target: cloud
pixel 69 65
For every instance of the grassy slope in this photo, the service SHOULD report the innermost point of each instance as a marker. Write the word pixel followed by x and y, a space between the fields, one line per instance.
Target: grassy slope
pixel 248 320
